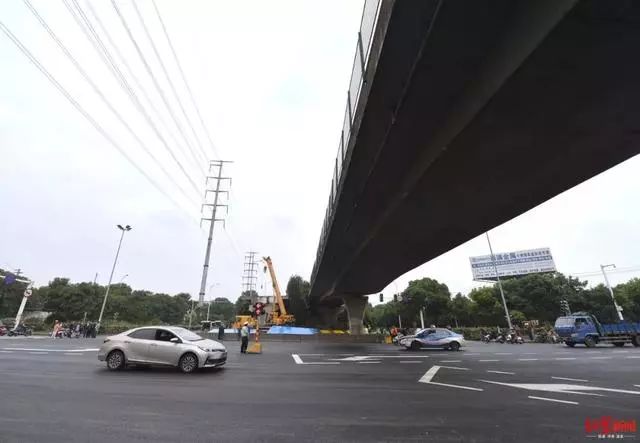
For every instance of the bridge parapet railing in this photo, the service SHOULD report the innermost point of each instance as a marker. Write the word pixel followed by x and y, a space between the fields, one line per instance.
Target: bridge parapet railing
pixel 360 65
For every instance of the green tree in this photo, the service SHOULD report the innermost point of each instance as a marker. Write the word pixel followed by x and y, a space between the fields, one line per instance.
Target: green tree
pixel 243 303
pixel 429 294
pixel 461 309
pixel 298 299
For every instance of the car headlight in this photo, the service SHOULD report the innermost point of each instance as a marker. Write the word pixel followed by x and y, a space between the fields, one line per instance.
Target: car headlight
pixel 211 349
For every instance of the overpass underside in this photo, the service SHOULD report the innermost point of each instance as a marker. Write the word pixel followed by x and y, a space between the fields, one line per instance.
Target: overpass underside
pixel 476 112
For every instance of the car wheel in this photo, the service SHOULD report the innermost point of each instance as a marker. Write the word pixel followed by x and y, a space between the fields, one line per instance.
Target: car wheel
pixel 454 346
pixel 589 342
pixel 635 340
pixel 415 345
pixel 570 344
pixel 188 363
pixel 618 344
pixel 115 360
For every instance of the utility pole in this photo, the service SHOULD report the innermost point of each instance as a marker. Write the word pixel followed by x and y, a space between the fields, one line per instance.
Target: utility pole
pixel 249 274
pixel 218 178
pixel 495 268
pixel 113 268
pixel 606 280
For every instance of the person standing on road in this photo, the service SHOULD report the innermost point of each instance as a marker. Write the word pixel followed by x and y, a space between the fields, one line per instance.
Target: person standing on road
pixel 56 328
pixel 244 336
pixel 221 332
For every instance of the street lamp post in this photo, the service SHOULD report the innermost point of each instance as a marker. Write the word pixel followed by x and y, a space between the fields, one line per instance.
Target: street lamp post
pixel 115 261
pixel 606 280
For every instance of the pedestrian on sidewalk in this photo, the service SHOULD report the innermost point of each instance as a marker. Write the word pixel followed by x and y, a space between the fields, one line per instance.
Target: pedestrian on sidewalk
pixel 244 337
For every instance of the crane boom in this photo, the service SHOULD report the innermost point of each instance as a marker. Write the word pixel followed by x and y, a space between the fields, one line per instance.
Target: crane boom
pixel 276 287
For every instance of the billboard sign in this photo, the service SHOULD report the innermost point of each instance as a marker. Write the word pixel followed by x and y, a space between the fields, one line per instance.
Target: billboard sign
pixel 510 264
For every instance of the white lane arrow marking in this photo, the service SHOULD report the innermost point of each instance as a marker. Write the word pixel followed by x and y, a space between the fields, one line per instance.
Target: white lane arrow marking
pixel 570 379
pixel 428 376
pixel 554 400
pixel 562 387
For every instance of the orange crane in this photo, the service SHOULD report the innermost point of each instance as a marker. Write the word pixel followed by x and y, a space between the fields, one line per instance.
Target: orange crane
pixel 279 314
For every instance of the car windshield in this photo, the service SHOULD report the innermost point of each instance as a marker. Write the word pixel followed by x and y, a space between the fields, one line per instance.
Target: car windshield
pixel 564 321
pixel 186 334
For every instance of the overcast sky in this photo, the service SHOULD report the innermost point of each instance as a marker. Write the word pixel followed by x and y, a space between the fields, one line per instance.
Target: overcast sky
pixel 270 80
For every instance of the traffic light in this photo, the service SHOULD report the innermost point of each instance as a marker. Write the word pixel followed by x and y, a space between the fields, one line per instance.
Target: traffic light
pixel 258 309
pixel 381 298
pixel 564 305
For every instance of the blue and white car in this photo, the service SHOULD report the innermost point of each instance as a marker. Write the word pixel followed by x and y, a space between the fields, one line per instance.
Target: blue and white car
pixel 433 338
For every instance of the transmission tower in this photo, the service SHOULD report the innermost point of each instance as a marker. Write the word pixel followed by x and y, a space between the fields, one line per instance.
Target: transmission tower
pixel 250 274
pixel 214 188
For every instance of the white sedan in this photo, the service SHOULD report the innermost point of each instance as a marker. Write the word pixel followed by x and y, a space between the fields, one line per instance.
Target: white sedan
pixel 433 338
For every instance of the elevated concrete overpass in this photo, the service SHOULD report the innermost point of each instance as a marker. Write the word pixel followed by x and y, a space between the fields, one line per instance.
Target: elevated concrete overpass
pixel 467 114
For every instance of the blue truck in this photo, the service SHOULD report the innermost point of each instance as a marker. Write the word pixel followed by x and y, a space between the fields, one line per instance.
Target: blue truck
pixel 584 328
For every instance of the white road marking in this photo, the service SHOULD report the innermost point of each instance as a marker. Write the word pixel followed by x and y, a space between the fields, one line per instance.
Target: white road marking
pixel 321 363
pixel 527 359
pixel 410 361
pixel 450 361
pixel 428 376
pixel 488 360
pixel 473 353
pixel 633 356
pixel 504 353
pixel 299 361
pixel 599 358
pixel 529 353
pixel 564 358
pixel 637 386
pixel 368 362
pixel 314 355
pixel 358 358
pixel 397 356
pixel 7 352
pixel 455 367
pixel 562 387
pixel 502 372
pixel 38 353
pixel 456 386
pixel 570 379
pixel 553 399
pixel 620 352
pixel 52 350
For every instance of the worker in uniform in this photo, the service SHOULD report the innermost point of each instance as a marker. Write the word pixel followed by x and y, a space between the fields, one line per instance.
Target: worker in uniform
pixel 244 336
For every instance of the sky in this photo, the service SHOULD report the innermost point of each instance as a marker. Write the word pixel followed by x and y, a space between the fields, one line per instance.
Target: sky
pixel 270 81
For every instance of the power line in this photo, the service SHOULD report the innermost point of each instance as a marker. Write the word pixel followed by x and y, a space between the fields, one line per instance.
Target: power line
pixel 136 80
pixel 171 85
pixel 93 37
pixel 151 74
pixel 97 90
pixel 184 79
pixel 82 111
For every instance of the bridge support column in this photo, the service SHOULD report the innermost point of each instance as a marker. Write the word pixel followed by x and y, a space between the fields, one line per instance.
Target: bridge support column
pixel 355 308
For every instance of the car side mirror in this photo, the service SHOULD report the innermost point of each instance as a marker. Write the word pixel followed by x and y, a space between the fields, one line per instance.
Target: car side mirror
pixel 175 340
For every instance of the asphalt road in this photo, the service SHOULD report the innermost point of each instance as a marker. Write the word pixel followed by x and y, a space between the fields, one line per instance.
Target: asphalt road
pixel 57 391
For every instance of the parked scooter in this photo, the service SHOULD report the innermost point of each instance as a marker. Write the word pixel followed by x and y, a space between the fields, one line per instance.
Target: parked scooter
pixel 513 338
pixel 19 330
